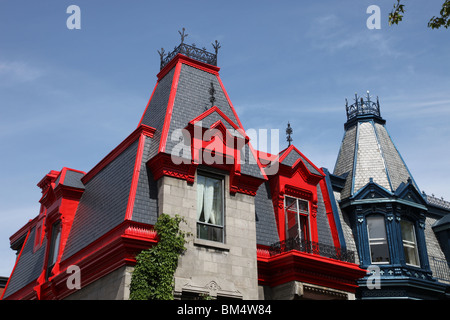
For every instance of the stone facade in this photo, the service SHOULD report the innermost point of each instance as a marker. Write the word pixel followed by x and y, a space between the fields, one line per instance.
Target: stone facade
pixel 216 269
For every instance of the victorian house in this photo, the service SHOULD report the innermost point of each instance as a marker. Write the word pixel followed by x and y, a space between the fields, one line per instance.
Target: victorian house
pixel 263 226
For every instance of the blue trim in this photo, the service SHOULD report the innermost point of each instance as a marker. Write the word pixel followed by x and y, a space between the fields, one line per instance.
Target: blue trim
pixel 401 158
pixel 334 208
pixel 382 155
pixel 355 159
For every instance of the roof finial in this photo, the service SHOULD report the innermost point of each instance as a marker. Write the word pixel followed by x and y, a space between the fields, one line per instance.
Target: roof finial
pixel 162 53
pixel 212 91
pixel 183 35
pixel 288 133
pixel 216 46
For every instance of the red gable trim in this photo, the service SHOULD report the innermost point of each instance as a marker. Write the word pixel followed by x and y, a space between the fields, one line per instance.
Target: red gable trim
pixel 240 125
pixel 148 103
pixel 291 148
pixel 210 111
pixel 142 129
pixel 173 92
pixel 135 179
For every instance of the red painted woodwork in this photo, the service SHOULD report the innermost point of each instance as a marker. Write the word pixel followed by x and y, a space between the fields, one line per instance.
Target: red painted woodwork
pixel 306 267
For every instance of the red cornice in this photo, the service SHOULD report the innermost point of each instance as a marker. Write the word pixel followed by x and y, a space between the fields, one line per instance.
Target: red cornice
pixel 115 249
pixel 142 129
pixel 190 62
pixel 310 268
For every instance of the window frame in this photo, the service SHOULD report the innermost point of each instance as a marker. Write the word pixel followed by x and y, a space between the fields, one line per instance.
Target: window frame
pixel 221 178
pixel 378 241
pixel 54 246
pixel 410 244
pixel 299 215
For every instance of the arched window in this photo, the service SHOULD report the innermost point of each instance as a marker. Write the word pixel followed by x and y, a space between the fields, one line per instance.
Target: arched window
pixel 376 229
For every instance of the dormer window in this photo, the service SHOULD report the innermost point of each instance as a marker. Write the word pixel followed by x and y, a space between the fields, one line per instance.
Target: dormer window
pixel 54 247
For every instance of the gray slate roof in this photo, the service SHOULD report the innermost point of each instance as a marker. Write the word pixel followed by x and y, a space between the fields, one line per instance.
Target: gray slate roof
pixel 367 151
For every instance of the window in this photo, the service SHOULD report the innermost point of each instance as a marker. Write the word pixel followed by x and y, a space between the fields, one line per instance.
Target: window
pixel 379 251
pixel 409 243
pixel 54 247
pixel 210 208
pixel 297 222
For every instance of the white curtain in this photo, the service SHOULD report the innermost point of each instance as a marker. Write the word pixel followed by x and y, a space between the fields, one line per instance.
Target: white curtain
pixel 208 195
pixel 200 189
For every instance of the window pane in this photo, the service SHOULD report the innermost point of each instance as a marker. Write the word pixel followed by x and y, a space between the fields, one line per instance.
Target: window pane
pixel 209 208
pixel 303 206
pixel 411 255
pixel 407 231
pixel 297 226
pixel 409 243
pixel 379 250
pixel 208 232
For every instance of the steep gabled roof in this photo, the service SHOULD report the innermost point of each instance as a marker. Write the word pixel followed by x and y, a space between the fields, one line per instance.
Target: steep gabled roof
pixel 182 94
pixel 367 154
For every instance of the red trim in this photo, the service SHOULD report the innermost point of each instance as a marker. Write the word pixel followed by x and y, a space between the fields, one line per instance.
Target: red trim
pixel 292 147
pixel 115 249
pixel 255 155
pixel 306 267
pixel 162 165
pixel 142 129
pixel 169 110
pixel 148 103
pixel 180 58
pixel 220 112
pixel 135 179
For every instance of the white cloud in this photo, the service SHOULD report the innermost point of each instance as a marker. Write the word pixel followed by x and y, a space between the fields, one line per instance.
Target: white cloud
pixel 18 71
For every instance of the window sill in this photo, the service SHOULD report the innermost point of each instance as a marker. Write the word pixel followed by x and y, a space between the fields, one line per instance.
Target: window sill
pixel 211 244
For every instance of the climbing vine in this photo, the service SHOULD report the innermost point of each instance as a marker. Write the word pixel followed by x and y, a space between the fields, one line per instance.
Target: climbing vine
pixel 152 278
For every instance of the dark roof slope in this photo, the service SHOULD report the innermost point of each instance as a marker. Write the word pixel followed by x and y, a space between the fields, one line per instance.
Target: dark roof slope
pixel 104 202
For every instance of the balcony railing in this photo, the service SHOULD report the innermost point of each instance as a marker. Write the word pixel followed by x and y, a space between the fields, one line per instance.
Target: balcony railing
pixel 320 249
pixel 190 51
pixel 440 269
pixel 362 107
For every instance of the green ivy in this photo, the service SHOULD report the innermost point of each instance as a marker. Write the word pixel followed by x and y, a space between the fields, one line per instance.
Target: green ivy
pixel 153 275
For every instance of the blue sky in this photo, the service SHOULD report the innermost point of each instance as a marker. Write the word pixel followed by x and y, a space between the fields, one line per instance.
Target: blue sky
pixel 67 97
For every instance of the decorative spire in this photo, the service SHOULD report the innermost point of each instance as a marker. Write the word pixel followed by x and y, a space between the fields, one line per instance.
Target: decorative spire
pixel 288 133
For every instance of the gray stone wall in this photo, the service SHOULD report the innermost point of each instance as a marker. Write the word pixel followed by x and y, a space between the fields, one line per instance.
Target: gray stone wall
pixel 226 269
pixel 113 286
